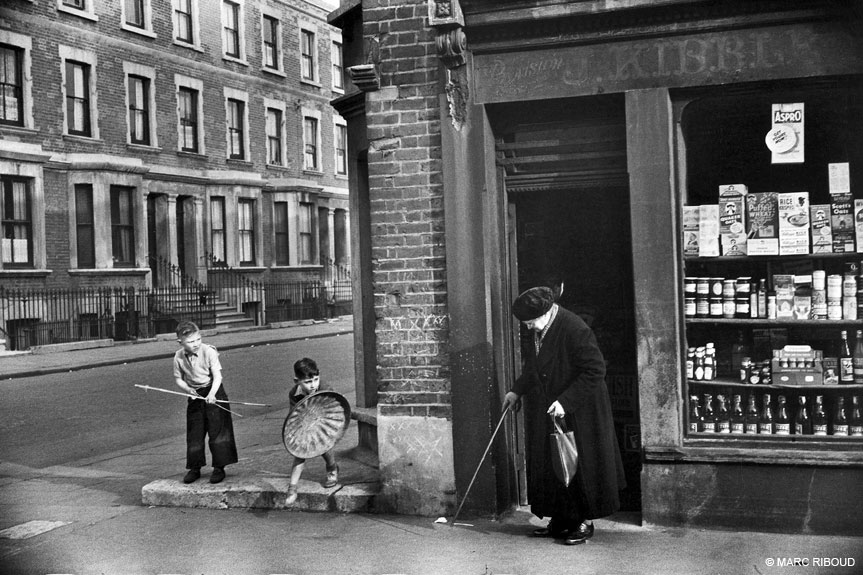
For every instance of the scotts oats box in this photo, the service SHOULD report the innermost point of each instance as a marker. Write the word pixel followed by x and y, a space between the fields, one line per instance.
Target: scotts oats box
pixel 794 223
pixel 820 228
pixel 762 224
pixel 690 230
pixel 842 222
pixel 708 230
pixel 732 219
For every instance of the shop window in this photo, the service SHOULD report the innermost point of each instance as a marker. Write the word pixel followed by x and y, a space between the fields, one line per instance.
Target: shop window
pixel 246 226
pixel 280 227
pixel 11 85
pixel 122 226
pixel 770 175
pixel 274 137
pixel 308 55
pixel 17 220
pixel 217 228
pixel 306 236
pixel 84 229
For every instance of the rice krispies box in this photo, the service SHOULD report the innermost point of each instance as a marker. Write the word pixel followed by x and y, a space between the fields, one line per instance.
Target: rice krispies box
pixel 794 223
pixel 762 224
pixel 732 219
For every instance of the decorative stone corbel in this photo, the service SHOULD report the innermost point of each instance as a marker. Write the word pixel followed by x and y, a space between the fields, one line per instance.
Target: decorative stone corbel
pixel 446 17
pixel 364 77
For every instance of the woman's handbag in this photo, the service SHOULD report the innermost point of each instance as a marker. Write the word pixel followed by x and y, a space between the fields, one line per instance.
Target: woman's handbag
pixel 564 453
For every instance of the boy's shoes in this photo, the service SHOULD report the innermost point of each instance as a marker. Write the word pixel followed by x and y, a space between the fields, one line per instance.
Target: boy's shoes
pixel 292 495
pixel 580 535
pixel 218 475
pixel 332 477
pixel 192 475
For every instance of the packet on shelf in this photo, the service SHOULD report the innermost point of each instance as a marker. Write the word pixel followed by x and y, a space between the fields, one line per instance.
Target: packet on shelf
pixel 708 230
pixel 690 230
pixel 732 219
pixel 762 225
pixel 819 225
pixel 842 222
pixel 783 285
pixel 797 365
pixel 794 223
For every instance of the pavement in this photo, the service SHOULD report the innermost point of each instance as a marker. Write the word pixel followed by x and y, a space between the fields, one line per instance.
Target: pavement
pixel 348 537
pixel 260 479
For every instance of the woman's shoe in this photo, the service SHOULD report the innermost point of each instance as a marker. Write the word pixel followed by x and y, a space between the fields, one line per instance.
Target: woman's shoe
pixel 550 531
pixel 580 535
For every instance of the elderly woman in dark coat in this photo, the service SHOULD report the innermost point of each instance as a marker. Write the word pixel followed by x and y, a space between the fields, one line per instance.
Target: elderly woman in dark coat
pixel 564 377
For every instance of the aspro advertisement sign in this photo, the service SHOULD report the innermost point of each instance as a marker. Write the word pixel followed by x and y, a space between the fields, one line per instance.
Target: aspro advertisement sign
pixel 785 138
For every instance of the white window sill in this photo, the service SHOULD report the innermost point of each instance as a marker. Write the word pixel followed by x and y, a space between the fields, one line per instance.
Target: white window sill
pixel 86 139
pixel 241 61
pixel 143 148
pixel 24 272
pixel 181 44
pixel 274 72
pixel 109 271
pixel 308 82
pixel 140 31
pixel 75 12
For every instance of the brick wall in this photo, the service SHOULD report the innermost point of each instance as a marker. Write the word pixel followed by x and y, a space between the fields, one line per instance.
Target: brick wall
pixel 406 196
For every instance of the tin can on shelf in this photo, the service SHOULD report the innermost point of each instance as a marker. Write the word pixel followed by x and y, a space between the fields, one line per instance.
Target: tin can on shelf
pixel 702 286
pixel 689 307
pixel 716 287
pixel 716 307
pixel 690 286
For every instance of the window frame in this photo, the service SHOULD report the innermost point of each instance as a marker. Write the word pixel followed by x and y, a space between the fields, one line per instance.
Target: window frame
pixel 308 55
pixel 146 113
pixel 88 59
pixel 306 237
pixel 281 233
pixel 337 60
pixel 24 43
pixel 81 8
pixel 17 88
pixel 237 96
pixel 271 46
pixel 340 134
pixel 120 228
pixel 82 226
pixel 7 182
pixel 142 72
pixel 239 33
pixel 82 99
pixel 278 106
pixel 246 216
pixel 146 26
pixel 185 84
pixel 191 17
pixel 308 114
pixel 218 202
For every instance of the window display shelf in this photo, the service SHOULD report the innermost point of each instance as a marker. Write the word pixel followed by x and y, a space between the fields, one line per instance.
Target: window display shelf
pixel 756 387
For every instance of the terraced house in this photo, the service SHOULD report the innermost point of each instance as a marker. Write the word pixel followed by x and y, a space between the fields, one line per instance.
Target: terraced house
pixel 146 145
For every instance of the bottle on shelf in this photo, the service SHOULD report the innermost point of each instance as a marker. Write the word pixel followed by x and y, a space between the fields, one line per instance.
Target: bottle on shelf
pixel 765 422
pixel 802 421
pixel 699 363
pixel 737 419
pixel 753 300
pixel 819 418
pixel 745 368
pixel 762 298
pixel 857 361
pixel 708 417
pixel 751 417
pixel 846 360
pixel 819 295
pixel 782 423
pixel 739 350
pixel 723 417
pixel 855 425
pixel 690 363
pixel 840 419
pixel 709 362
pixel 695 420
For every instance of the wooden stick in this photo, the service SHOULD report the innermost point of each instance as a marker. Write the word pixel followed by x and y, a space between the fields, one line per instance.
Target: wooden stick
pixel 147 387
pixel 198 396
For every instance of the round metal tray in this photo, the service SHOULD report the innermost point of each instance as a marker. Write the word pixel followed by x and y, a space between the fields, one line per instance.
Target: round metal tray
pixel 316 424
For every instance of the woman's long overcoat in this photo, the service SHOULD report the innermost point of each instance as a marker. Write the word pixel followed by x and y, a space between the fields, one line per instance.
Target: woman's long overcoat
pixel 570 369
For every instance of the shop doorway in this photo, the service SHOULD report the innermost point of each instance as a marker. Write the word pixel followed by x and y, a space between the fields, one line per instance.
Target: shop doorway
pixel 569 213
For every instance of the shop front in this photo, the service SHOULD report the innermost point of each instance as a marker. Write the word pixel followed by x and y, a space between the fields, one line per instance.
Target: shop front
pixel 573 139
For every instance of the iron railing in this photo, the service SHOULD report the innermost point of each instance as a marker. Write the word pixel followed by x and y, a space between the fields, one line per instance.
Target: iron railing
pixel 32 317
pixel 232 286
pixel 337 289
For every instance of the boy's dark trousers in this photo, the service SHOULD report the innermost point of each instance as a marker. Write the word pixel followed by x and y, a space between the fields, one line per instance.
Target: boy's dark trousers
pixel 203 419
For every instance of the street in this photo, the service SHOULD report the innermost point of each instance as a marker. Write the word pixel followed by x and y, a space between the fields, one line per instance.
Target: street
pixel 77 448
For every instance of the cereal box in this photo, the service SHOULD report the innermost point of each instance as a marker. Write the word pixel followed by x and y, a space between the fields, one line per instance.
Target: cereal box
pixel 732 219
pixel 842 222
pixel 793 223
pixel 819 226
pixel 858 223
pixel 690 230
pixel 762 221
pixel 708 230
